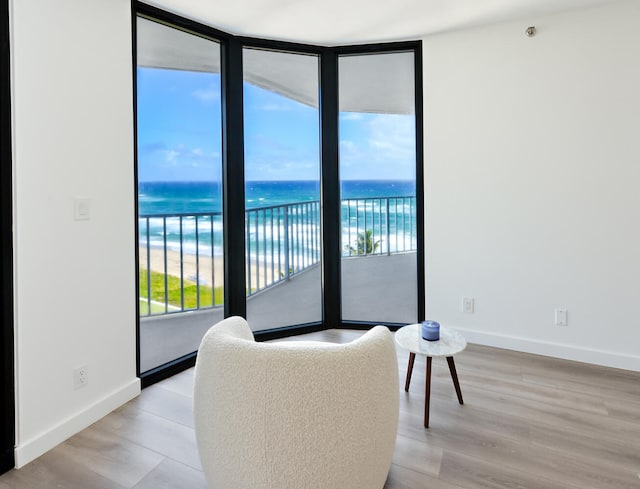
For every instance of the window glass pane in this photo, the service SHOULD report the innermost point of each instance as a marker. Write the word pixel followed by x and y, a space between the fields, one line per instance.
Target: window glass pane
pixel 179 190
pixel 378 187
pixel 282 168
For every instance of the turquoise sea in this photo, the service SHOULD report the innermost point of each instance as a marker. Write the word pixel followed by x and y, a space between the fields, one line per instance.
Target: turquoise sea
pixel 365 204
pixel 186 197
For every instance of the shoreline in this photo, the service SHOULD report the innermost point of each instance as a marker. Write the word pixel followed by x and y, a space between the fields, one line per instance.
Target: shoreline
pixel 208 277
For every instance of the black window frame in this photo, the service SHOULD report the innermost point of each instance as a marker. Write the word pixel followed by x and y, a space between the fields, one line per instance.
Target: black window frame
pixel 233 172
pixel 7 406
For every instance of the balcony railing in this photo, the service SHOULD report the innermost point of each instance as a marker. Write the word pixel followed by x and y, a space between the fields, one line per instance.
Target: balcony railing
pixel 181 258
pixel 379 225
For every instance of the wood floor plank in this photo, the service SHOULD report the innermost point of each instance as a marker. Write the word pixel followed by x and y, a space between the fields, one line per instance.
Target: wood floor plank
pixel 418 456
pixel 617 456
pixel 181 383
pixel 167 403
pixel 54 470
pixel 623 410
pixel 539 393
pixel 471 473
pixel 584 386
pixel 156 433
pixel 529 461
pixel 496 364
pixel 173 475
pixel 450 418
pixel 402 478
pixel 536 413
pixel 110 455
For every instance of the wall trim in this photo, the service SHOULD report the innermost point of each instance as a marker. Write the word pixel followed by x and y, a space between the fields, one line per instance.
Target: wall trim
pixel 31 449
pixel 556 350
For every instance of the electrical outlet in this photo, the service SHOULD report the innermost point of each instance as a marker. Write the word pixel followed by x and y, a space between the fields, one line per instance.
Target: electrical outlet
pixel 562 317
pixel 468 305
pixel 80 377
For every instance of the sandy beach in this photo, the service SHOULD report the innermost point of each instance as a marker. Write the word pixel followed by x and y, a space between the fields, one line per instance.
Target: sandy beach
pixel 207 276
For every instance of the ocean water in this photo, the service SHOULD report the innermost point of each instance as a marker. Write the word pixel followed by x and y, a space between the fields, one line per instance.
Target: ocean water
pixel 192 197
pixel 383 207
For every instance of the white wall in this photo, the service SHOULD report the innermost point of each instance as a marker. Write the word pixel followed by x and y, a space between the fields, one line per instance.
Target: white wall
pixel 532 183
pixel 74 280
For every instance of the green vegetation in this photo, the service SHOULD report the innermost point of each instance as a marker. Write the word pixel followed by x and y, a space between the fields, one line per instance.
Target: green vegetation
pixel 365 244
pixel 173 293
pixel 155 308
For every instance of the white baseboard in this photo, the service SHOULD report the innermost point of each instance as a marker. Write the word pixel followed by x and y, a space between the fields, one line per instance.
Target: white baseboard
pixel 568 352
pixel 32 449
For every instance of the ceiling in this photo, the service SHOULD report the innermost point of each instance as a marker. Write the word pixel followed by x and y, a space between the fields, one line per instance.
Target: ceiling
pixel 331 22
pixel 380 83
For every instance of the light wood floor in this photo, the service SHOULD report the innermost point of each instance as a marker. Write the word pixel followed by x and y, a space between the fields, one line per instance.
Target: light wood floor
pixel 527 422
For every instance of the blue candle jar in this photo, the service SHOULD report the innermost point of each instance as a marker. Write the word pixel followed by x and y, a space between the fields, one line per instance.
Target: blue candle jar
pixel 431 330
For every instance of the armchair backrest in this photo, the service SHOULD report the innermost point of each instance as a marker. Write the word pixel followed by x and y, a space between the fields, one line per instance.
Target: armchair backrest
pixel 295 414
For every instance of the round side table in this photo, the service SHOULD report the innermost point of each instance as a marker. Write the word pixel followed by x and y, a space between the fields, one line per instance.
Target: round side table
pixel 450 342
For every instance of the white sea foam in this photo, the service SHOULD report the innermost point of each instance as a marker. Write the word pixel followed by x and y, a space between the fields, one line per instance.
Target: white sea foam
pixel 268 244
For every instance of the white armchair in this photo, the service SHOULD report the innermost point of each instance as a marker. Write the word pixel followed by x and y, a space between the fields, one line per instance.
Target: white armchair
pixel 295 414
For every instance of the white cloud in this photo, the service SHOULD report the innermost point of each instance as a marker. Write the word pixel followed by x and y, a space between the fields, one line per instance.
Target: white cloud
pixel 171 155
pixel 351 116
pixel 275 108
pixel 383 145
pixel 350 152
pixel 348 146
pixel 274 158
pixel 209 94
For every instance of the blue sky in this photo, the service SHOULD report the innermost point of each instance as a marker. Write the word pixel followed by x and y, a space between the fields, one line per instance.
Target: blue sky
pixel 179 134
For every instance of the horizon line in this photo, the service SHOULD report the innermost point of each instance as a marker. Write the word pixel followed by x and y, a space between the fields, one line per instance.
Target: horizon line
pixel 289 180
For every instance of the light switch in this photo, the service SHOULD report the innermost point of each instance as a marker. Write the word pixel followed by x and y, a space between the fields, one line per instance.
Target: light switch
pixel 81 209
pixel 468 305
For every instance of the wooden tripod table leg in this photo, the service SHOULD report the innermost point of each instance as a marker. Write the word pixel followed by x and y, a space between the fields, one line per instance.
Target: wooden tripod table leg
pixel 427 393
pixel 454 376
pixel 412 358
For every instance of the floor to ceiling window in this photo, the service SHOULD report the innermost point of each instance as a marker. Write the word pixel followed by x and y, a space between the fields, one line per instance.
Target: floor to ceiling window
pixel 309 155
pixel 179 155
pixel 282 188
pixel 7 407
pixel 379 210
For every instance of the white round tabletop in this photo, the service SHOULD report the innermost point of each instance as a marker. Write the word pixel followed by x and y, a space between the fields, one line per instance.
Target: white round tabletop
pixel 450 342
